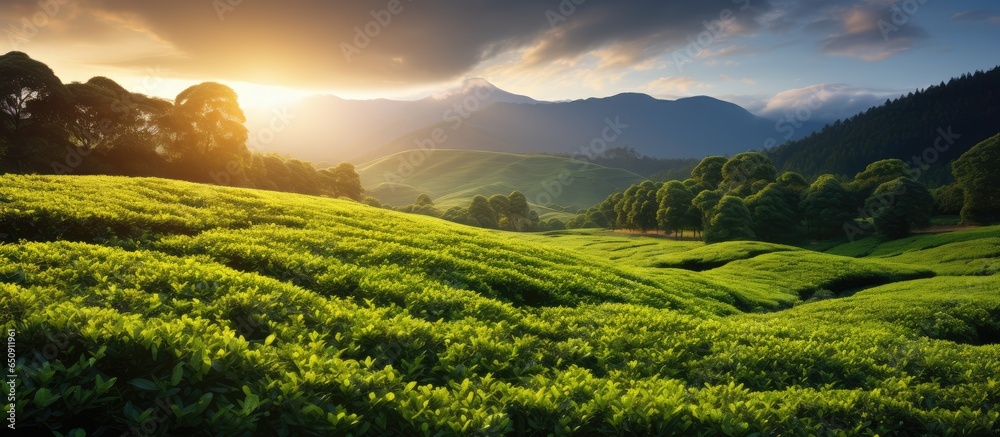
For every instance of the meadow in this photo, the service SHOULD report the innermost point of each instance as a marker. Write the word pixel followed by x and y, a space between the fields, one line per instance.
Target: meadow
pixel 157 307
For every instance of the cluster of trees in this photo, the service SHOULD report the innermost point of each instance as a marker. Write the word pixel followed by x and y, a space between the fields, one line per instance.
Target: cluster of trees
pixel 509 213
pixel 744 198
pixel 99 127
pixel 965 110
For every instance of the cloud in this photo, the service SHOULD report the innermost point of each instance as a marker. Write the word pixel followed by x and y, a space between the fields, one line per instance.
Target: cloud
pixel 321 43
pixel 977 16
pixel 674 86
pixel 873 33
pixel 870 30
pixel 744 81
pixel 826 102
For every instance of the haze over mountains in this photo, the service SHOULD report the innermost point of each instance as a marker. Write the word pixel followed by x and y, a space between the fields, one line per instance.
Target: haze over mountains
pixel 480 116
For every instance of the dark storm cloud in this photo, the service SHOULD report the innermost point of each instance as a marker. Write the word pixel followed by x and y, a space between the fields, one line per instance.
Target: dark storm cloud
pixel 379 42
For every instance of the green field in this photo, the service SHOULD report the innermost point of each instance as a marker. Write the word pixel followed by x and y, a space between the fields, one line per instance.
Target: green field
pixel 454 177
pixel 159 307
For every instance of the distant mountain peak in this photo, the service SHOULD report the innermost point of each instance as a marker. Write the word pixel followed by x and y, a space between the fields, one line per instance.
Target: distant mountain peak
pixel 476 86
pixel 477 82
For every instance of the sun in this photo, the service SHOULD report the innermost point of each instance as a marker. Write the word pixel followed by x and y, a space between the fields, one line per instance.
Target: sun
pixel 266 96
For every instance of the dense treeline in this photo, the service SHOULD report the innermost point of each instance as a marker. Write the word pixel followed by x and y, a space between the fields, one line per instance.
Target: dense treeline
pixel 927 129
pixel 99 127
pixel 745 198
pixel 657 169
pixel 508 213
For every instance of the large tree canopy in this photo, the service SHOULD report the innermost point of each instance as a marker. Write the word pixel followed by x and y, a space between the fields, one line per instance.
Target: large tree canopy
pixel 730 222
pixel 978 173
pixel 826 206
pixel 900 205
pixel 878 173
pixel 708 173
pixel 775 214
pixel 27 88
pixel 675 207
pixel 208 128
pixel 745 171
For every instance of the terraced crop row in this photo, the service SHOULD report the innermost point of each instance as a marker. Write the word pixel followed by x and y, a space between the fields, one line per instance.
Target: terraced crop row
pixel 318 316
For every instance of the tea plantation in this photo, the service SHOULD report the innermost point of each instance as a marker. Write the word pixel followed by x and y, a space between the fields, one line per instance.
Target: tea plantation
pixel 157 307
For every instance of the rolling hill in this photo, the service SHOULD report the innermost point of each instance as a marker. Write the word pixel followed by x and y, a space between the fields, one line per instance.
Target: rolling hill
pixel 454 177
pixel 479 116
pixel 178 308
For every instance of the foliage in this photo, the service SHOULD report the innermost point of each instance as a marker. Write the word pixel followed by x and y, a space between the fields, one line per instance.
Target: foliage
pixel 976 173
pixel 708 173
pixel 174 308
pixel 484 215
pixel 927 128
pixel 731 221
pixel 878 173
pixel 675 207
pixel 775 214
pixel 826 206
pixel 98 127
pixel 899 206
pixel 949 199
pixel 747 171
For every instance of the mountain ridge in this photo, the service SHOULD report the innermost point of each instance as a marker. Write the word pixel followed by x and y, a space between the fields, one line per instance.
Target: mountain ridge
pixel 331 129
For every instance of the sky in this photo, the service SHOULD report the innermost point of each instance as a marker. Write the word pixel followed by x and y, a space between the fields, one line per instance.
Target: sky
pixel 770 56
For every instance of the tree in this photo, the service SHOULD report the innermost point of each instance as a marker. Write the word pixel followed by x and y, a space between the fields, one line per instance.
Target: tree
pixel 518 217
pixel 709 172
pixel 731 222
pixel 607 210
pixel 741 172
pixel 977 174
pixel 705 203
pixel 460 215
pixel 595 218
pixel 948 200
pixel 32 101
pixel 878 173
pixel 500 204
pixel 638 207
pixel 105 116
pixel 775 214
pixel 423 200
pixel 346 181
pixel 793 181
pixel 425 206
pixel 555 225
pixel 899 206
pixel 675 204
pixel 826 207
pixel 126 131
pixel 481 212
pixel 624 206
pixel 24 83
pixel 208 130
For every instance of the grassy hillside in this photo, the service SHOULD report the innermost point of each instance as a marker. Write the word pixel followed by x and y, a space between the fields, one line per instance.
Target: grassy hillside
pixel 454 177
pixel 175 308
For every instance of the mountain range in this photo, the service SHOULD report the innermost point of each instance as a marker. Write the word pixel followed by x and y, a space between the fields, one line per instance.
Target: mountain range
pixel 479 116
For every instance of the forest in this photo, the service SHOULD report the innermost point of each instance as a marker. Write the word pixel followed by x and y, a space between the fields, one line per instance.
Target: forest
pixel 98 127
pixel 745 198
